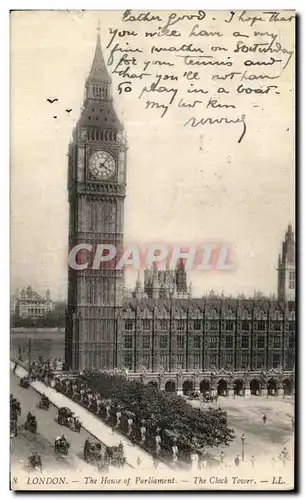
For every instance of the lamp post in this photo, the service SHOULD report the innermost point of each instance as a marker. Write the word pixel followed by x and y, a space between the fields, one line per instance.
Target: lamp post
pixel 243 437
pixel 30 353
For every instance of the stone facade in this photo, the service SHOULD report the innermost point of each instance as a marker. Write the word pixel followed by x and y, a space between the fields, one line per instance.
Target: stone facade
pixel 29 304
pixel 207 335
pixel 274 382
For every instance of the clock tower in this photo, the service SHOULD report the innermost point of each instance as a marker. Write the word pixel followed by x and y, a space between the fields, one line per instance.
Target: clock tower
pixel 96 190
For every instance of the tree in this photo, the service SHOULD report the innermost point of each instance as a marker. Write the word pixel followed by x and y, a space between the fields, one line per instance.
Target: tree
pixel 166 411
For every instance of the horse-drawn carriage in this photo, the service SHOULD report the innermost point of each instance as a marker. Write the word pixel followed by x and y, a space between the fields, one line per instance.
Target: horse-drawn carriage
pixel 44 403
pixel 31 424
pixel 208 398
pixel 94 455
pixel 115 455
pixel 67 418
pixel 25 382
pixel 194 395
pixel 15 409
pixel 13 428
pixel 35 462
pixel 61 446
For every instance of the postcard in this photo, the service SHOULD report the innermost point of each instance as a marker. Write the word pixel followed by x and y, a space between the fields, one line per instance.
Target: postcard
pixel 152 342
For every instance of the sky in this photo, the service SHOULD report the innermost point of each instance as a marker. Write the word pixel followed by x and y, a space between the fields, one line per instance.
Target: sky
pixel 183 185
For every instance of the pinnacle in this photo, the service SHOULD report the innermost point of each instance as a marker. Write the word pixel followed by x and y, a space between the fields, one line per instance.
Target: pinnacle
pixel 98 70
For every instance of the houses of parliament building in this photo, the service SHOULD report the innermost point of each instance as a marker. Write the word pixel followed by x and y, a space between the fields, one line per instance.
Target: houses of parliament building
pixel 160 333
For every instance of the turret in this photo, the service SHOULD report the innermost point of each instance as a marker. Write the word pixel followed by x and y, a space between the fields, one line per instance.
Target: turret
pixel 286 267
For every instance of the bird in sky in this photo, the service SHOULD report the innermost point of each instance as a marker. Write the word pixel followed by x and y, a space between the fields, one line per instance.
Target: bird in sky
pixel 68 110
pixel 52 100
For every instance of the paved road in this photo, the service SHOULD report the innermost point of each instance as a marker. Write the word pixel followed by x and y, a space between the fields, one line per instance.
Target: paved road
pixel 47 430
pixel 263 441
pixel 98 428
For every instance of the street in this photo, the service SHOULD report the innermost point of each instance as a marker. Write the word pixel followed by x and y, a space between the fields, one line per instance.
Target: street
pixel 47 430
pixel 262 441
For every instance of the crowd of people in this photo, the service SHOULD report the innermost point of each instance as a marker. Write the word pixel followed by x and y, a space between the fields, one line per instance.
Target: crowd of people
pixel 124 421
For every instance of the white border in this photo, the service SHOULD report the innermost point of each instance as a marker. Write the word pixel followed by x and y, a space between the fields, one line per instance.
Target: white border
pixel 298 5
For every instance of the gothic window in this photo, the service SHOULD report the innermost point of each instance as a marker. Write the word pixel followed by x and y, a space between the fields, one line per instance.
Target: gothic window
pixel 214 325
pixel 128 360
pixel 213 360
pixel 245 325
pixel 146 342
pixel 213 342
pixel 291 343
pixel 196 361
pixel 291 326
pixel 276 341
pixel 197 340
pixel 276 360
pixel 291 280
pixel 261 342
pixel 180 324
pixel 244 360
pixel 128 342
pixel 128 324
pixel 146 360
pixel 260 360
pixel 146 324
pixel 229 342
pixel 276 326
pixel 164 361
pixel 245 341
pixel 180 341
pixel 260 326
pixel 180 361
pixel 163 324
pixel 197 324
pixel 163 342
pixel 228 361
pixel 229 325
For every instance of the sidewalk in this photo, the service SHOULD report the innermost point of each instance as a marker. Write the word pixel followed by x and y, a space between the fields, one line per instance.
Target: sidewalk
pixel 96 426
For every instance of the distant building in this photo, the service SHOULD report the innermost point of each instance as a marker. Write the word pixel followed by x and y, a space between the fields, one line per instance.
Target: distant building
pixel 286 268
pixel 29 304
pixel 164 284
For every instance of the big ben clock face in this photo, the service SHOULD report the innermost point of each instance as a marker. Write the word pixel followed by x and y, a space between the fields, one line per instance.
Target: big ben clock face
pixel 102 165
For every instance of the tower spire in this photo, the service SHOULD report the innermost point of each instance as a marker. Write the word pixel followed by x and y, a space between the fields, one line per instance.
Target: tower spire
pixel 98 72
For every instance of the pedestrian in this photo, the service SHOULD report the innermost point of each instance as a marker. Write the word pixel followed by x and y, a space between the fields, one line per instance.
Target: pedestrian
pixel 284 455
pixel 194 459
pixel 138 461
pixel 236 460
pixel 252 459
pixel 264 418
pixel 221 458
